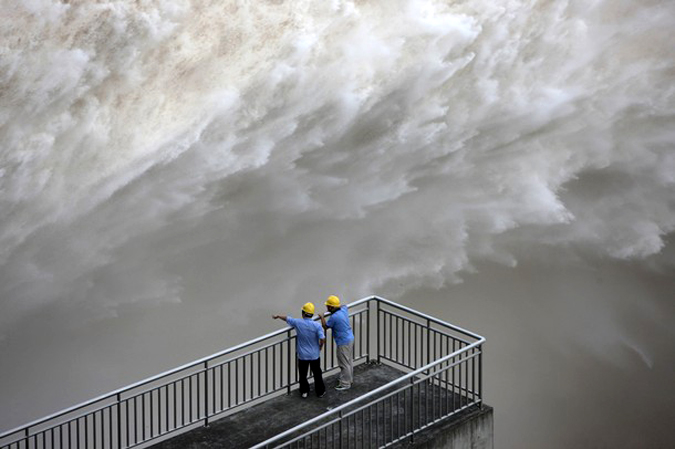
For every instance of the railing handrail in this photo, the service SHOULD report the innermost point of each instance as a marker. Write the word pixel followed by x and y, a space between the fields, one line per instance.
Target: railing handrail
pixel 140 383
pixel 371 393
pixel 156 377
pixel 425 316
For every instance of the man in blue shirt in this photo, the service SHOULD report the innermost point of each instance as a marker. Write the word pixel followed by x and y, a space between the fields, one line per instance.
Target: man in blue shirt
pixel 344 339
pixel 309 341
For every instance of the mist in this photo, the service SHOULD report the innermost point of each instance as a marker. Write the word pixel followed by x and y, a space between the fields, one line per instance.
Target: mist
pixel 173 173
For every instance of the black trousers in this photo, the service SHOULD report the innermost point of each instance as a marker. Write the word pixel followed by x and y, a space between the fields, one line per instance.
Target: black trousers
pixel 319 386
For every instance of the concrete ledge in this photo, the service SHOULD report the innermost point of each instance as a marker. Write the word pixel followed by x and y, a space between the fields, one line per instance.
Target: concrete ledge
pixel 473 429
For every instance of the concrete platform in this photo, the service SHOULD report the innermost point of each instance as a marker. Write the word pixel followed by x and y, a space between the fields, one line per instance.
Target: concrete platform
pixel 262 421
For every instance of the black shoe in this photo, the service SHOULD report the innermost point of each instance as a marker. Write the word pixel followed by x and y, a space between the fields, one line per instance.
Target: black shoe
pixel 322 395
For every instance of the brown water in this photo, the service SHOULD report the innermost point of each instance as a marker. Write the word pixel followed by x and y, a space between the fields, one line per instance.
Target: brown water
pixel 576 356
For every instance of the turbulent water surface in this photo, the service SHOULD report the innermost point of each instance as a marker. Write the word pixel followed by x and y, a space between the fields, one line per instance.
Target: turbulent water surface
pixel 173 172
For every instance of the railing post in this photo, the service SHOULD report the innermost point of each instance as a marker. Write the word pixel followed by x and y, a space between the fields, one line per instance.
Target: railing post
pixel 368 334
pixel 119 420
pixel 288 361
pixel 340 428
pixel 428 342
pixel 206 394
pixel 480 375
pixel 377 329
pixel 412 409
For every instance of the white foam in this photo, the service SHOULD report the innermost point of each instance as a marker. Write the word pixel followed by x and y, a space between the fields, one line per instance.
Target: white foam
pixel 330 143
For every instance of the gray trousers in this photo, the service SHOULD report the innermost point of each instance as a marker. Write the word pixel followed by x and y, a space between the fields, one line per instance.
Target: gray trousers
pixel 344 357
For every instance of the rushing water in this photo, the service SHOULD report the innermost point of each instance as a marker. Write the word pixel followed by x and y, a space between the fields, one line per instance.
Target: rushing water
pixel 171 172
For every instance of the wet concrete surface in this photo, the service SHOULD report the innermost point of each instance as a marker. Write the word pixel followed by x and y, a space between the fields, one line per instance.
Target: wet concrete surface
pixel 260 422
pixel 393 417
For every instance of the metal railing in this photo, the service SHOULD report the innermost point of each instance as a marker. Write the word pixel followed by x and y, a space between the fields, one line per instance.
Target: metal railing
pixel 441 358
pixel 445 378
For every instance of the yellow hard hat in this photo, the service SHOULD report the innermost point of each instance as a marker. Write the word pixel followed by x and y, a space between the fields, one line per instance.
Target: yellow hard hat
pixel 333 301
pixel 308 308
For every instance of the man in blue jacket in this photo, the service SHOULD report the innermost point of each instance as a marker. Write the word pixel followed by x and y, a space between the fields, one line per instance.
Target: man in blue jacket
pixel 309 341
pixel 344 339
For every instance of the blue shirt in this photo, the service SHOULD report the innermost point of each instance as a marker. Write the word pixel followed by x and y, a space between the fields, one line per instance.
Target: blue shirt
pixel 309 333
pixel 342 330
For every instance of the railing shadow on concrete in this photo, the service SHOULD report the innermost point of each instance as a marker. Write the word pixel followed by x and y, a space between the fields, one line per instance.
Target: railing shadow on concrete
pixel 443 363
